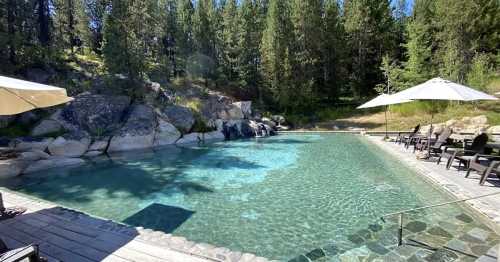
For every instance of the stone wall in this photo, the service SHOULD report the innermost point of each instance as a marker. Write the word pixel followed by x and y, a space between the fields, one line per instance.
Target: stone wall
pixel 96 124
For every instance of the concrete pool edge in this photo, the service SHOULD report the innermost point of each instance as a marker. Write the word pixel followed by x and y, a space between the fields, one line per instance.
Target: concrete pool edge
pixel 448 181
pixel 155 245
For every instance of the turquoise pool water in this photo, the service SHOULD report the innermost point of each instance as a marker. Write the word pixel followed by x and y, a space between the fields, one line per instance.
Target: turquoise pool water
pixel 276 197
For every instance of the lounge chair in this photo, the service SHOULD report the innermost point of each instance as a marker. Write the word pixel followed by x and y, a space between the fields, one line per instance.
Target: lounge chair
pixel 435 144
pixel 418 138
pixel 484 170
pixel 28 253
pixel 464 155
pixel 403 136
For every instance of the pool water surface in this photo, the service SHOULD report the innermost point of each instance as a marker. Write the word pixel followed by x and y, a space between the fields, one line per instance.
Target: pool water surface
pixel 276 197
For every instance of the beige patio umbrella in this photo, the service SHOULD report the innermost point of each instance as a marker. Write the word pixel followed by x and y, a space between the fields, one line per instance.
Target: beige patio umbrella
pixel 383 100
pixel 442 89
pixel 17 96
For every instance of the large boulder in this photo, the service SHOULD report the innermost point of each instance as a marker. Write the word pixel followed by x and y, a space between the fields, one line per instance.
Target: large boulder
pixel 214 107
pixel 47 126
pixel 181 117
pixel 99 144
pixel 213 136
pixel 166 134
pixel 30 143
pixel 137 133
pixel 248 129
pixel 245 107
pixel 12 167
pixel 279 119
pixel 235 112
pixel 189 138
pixel 33 155
pixel 73 144
pixel 481 120
pixel 494 132
pixel 53 162
pixel 96 114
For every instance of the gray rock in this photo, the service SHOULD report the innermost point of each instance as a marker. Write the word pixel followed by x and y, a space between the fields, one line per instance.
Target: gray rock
pixel 166 134
pixel 12 167
pixel 213 136
pixel 47 126
pixel 269 122
pixel 279 119
pixel 96 114
pixel 93 153
pixel 214 107
pixel 100 144
pixel 234 112
pixel 189 138
pixel 33 155
pixel 74 144
pixel 181 117
pixel 137 133
pixel 53 162
pixel 245 107
pixel 30 143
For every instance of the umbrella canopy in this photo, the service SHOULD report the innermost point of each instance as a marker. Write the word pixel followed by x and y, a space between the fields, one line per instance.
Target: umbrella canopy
pixel 17 96
pixel 441 89
pixel 383 100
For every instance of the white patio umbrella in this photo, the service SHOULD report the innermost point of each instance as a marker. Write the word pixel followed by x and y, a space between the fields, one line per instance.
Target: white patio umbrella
pixel 441 89
pixel 17 96
pixel 383 100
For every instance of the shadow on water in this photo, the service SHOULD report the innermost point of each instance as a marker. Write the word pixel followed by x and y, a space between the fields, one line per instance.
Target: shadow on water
pixel 135 174
pixel 160 217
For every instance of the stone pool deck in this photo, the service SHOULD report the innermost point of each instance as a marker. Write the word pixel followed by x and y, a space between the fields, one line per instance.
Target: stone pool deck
pixel 452 181
pixel 71 236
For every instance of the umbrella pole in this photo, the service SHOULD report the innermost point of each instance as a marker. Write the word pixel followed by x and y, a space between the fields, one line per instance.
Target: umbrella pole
pixel 386 135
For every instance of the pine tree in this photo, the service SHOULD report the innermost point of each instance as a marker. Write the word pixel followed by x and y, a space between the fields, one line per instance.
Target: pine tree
pixel 275 51
pixel 248 45
pixel 96 12
pixel 125 47
pixel 368 24
pixel 71 23
pixel 307 49
pixel 230 35
pixel 334 52
pixel 419 48
pixel 184 41
pixel 204 31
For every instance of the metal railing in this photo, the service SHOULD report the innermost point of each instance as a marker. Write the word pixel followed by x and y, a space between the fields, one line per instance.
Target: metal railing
pixel 400 214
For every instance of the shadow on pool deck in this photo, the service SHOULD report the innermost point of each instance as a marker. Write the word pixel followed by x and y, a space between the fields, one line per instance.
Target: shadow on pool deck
pixel 160 217
pixel 65 235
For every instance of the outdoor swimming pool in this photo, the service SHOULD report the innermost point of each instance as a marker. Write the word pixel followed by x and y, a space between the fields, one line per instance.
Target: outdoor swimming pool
pixel 276 197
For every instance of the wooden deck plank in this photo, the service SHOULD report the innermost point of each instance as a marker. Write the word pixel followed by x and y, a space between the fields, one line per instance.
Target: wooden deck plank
pixel 48 248
pixel 13 243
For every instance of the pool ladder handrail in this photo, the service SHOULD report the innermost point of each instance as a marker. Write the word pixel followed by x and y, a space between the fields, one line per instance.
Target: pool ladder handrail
pixel 401 213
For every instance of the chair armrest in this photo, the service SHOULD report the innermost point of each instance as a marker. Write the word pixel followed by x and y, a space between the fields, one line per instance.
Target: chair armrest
pixel 20 254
